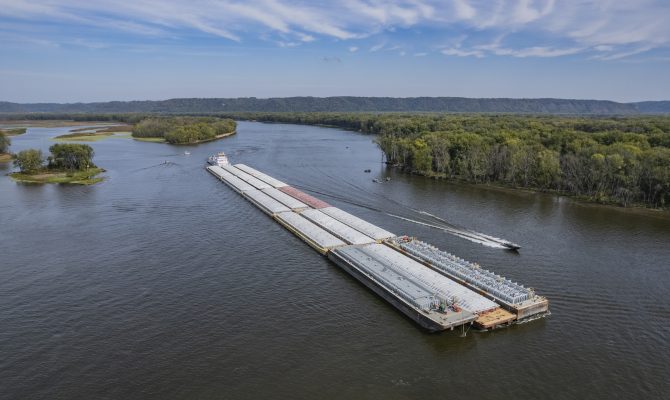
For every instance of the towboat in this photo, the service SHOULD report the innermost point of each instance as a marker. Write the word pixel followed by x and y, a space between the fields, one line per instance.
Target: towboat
pixel 219 159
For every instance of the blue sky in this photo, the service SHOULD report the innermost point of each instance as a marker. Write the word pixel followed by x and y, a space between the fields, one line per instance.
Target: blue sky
pixel 99 50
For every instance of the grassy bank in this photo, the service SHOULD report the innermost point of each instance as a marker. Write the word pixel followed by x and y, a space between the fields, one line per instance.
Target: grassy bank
pixel 5 157
pixel 150 139
pixel 83 137
pixel 87 177
pixel 217 137
pixel 162 140
pixel 95 134
pixel 53 123
pixel 13 131
pixel 105 129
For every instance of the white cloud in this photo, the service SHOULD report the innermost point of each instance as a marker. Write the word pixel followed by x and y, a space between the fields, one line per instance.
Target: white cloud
pixel 462 53
pixel 353 49
pixel 377 47
pixel 464 10
pixel 306 38
pixel 287 44
pixel 610 29
pixel 623 54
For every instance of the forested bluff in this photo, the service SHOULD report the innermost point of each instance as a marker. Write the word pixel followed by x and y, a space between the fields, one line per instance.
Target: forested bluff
pixel 622 160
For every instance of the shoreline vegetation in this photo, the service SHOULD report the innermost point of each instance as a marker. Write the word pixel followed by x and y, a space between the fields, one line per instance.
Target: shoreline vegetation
pixel 87 177
pixel 13 131
pixel 178 130
pixel 184 130
pixel 5 142
pixel 613 160
pixel 94 134
pixel 67 163
pixel 621 161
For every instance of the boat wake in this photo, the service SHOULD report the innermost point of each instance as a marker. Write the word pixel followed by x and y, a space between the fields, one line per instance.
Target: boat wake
pixel 419 217
pixel 464 234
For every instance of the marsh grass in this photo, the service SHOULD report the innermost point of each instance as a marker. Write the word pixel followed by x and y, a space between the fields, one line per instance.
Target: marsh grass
pixel 87 177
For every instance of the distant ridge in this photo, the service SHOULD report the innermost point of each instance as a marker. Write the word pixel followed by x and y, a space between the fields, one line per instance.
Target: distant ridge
pixel 348 104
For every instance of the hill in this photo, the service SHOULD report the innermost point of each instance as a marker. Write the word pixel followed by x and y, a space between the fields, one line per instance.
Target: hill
pixel 347 104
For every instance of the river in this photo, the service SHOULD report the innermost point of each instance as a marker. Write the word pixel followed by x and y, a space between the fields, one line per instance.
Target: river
pixel 163 283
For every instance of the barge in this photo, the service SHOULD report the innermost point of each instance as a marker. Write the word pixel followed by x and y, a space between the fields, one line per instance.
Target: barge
pixel 516 298
pixel 435 289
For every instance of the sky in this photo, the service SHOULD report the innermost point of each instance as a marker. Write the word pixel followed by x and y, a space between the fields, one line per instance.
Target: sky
pixel 102 50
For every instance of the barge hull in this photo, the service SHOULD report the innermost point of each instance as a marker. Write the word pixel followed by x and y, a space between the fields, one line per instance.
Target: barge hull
pixel 541 307
pixel 415 315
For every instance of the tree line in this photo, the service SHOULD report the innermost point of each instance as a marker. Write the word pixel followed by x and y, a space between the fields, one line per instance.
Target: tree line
pixel 623 160
pixel 347 104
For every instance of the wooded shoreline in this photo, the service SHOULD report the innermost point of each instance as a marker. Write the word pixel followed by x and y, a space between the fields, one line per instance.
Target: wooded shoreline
pixel 623 160
pixel 607 160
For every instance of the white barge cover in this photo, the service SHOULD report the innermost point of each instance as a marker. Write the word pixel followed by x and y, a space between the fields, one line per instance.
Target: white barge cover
pixel 337 228
pixel 431 281
pixel 309 230
pixel 265 202
pixel 231 180
pixel 276 183
pixel 216 170
pixel 289 201
pixel 360 225
pixel 255 182
pixel 394 281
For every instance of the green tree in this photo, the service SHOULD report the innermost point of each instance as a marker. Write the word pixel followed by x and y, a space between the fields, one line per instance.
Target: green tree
pixel 152 127
pixel 71 156
pixel 4 143
pixel 191 133
pixel 422 160
pixel 548 169
pixel 29 161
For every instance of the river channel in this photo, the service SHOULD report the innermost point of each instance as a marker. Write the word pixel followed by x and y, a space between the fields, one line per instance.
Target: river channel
pixel 163 283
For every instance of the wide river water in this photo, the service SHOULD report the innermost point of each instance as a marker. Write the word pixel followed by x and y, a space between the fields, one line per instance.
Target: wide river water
pixel 163 283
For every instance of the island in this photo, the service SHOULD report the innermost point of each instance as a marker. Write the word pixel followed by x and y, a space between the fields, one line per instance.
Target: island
pixel 94 134
pixel 13 131
pixel 183 130
pixel 67 163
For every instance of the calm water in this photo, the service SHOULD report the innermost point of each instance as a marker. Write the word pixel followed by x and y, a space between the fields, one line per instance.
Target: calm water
pixel 163 283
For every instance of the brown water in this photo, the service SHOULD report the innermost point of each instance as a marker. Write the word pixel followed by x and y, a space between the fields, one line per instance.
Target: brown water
pixel 163 283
